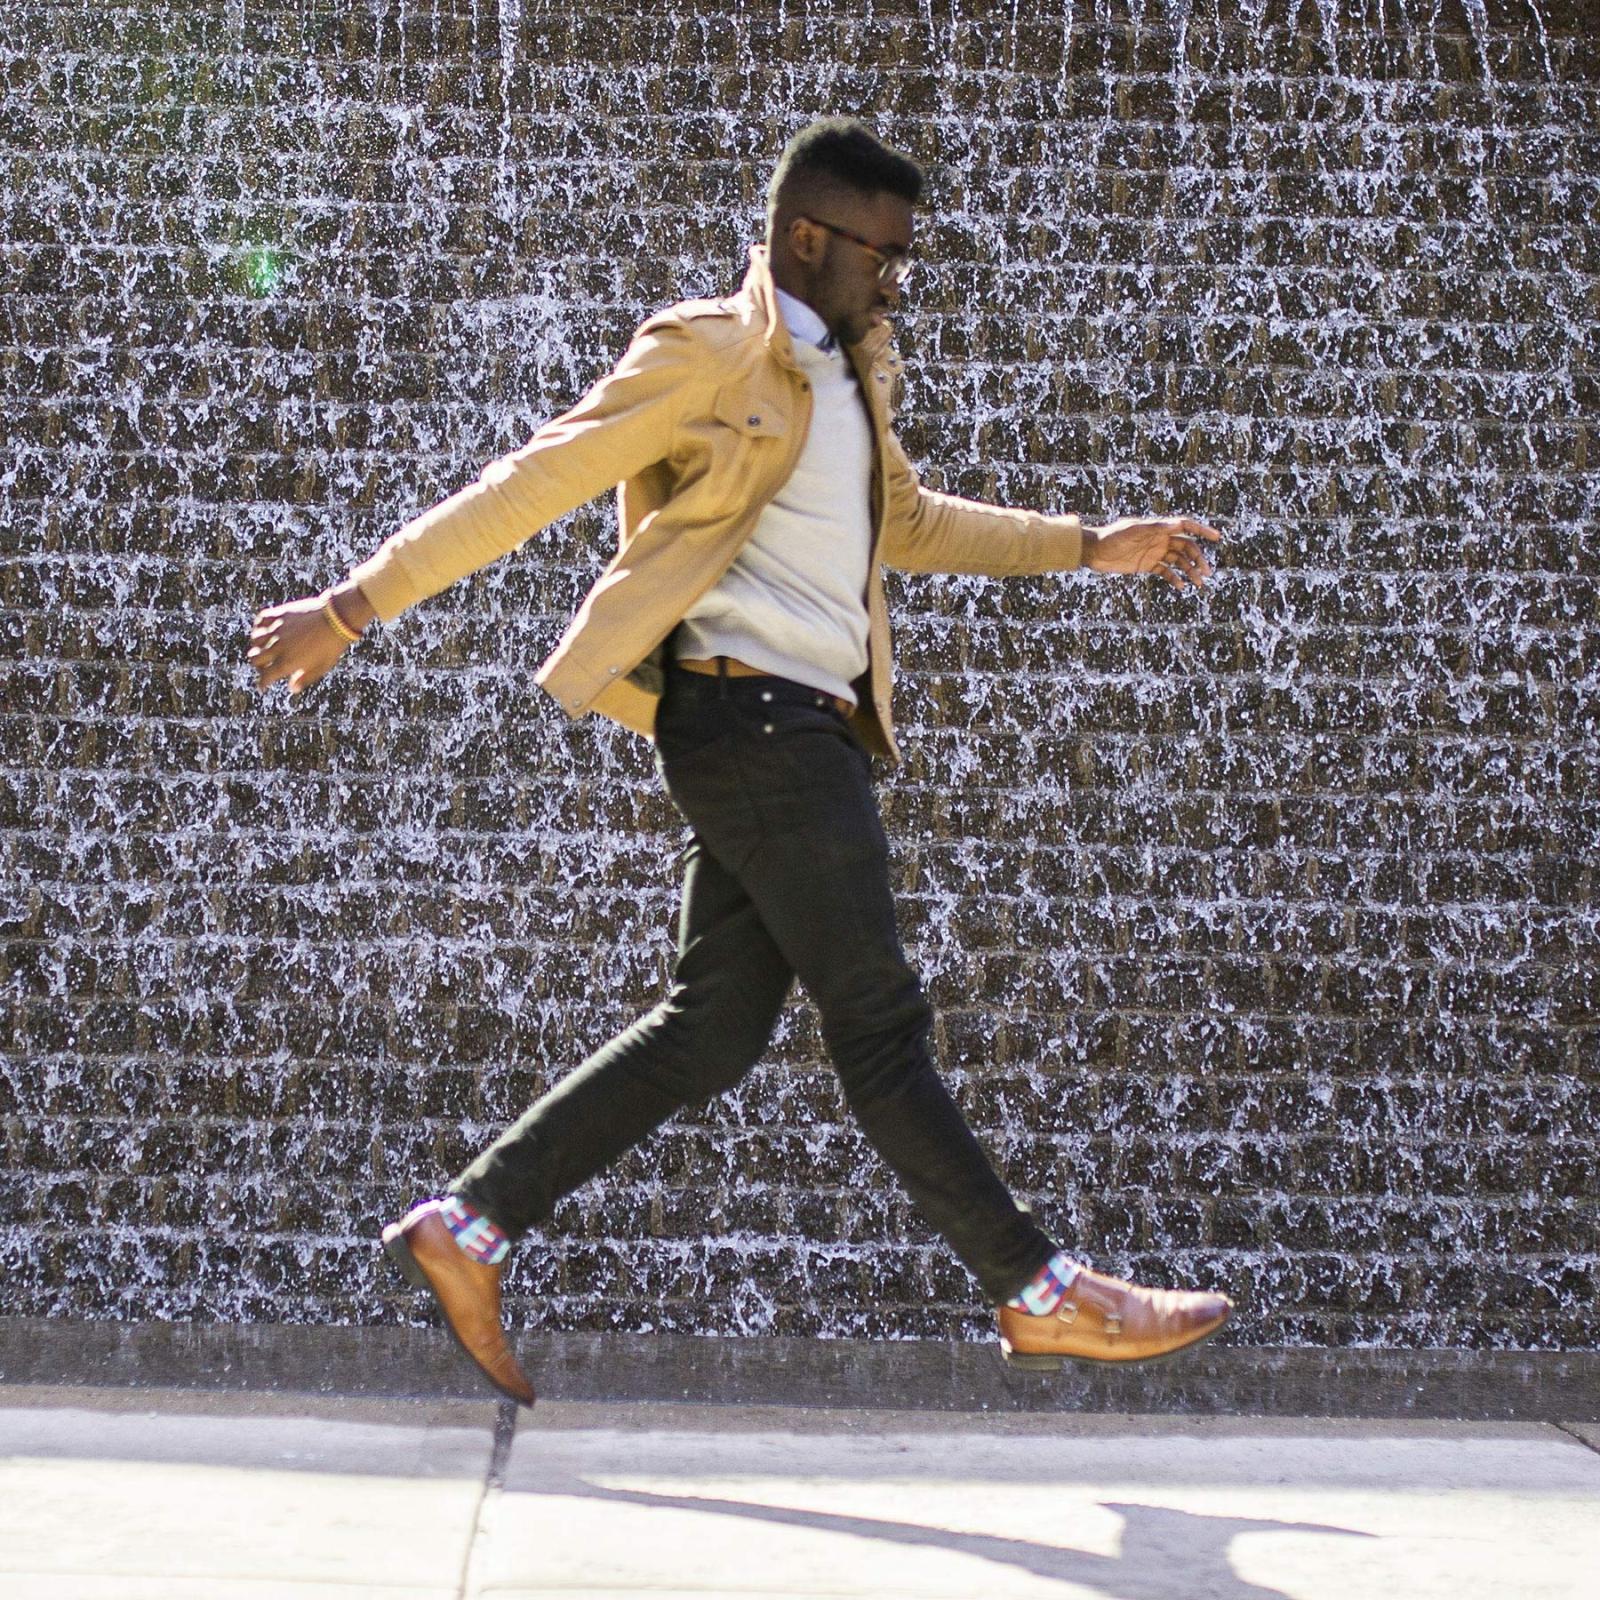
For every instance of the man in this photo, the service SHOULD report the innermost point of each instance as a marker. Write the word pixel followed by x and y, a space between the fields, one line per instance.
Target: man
pixel 742 626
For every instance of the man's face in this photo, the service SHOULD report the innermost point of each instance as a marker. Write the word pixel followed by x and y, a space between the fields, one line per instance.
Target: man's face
pixel 844 284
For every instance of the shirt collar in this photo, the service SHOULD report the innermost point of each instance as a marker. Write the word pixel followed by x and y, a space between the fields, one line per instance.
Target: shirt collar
pixel 802 322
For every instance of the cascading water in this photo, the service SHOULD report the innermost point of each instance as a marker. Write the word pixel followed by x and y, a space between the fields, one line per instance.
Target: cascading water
pixel 1262 924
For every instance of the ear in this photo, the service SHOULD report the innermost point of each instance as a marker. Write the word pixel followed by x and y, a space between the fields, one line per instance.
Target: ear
pixel 807 241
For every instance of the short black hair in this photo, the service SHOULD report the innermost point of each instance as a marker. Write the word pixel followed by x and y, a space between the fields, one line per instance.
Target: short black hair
pixel 842 151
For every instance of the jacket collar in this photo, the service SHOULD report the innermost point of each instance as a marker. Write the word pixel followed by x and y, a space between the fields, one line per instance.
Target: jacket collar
pixel 763 295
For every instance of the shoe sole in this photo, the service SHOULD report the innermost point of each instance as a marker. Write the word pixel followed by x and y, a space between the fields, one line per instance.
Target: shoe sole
pixel 1046 1363
pixel 400 1253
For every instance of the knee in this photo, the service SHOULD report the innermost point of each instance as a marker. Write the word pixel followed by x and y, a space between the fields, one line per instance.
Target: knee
pixel 879 1035
pixel 711 1042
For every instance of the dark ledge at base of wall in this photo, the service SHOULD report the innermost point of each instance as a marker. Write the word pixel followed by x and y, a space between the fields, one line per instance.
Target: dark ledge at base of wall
pixel 918 1375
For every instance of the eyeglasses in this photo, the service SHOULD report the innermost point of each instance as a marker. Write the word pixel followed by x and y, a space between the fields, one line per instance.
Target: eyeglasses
pixel 894 264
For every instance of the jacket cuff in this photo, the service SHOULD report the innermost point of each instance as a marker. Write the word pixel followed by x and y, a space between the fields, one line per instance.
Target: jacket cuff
pixel 1062 539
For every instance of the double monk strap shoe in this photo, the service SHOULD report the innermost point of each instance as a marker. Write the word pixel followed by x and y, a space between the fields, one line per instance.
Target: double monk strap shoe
pixel 467 1292
pixel 1105 1319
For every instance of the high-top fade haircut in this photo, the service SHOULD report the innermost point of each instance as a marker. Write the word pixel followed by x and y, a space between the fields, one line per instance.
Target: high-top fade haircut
pixel 838 153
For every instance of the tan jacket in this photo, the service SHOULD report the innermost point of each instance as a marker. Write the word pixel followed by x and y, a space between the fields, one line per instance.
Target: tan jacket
pixel 699 425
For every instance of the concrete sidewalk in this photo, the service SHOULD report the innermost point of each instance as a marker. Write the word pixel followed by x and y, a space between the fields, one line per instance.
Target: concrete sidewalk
pixel 124 1495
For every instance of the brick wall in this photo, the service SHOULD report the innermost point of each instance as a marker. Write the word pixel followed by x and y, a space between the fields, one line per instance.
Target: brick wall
pixel 1261 924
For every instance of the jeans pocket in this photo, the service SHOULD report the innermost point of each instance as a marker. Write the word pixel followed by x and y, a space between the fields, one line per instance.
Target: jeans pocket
pixel 686 728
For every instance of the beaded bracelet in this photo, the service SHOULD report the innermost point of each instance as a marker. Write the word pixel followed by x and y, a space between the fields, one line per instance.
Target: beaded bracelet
pixel 336 622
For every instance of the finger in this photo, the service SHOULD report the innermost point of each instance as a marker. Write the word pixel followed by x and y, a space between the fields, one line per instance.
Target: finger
pixel 302 678
pixel 1202 529
pixel 1189 555
pixel 273 666
pixel 1183 574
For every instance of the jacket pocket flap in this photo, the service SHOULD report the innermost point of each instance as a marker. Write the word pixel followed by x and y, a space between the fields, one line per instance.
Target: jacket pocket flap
pixel 753 417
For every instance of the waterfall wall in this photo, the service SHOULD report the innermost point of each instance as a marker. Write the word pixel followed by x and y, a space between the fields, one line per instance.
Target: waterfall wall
pixel 1261 923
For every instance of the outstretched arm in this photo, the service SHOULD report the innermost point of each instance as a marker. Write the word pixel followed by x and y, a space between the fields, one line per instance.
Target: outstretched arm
pixel 925 531
pixel 624 424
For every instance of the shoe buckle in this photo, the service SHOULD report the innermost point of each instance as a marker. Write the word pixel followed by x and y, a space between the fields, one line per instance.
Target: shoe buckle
pixel 1067 1312
pixel 1113 1324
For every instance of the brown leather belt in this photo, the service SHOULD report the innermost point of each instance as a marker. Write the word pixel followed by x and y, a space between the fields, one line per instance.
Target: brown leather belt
pixel 733 668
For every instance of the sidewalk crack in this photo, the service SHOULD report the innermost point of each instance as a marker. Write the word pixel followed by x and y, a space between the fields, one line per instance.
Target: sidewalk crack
pixel 1571 1433
pixel 505 1430
pixel 494 1479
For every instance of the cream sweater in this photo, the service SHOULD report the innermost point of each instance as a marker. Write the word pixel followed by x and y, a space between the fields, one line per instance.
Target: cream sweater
pixel 794 601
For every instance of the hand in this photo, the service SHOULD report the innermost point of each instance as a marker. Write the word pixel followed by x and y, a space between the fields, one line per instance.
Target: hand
pixel 295 641
pixel 1164 545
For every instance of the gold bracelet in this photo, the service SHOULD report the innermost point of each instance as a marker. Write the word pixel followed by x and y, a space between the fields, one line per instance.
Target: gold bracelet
pixel 336 622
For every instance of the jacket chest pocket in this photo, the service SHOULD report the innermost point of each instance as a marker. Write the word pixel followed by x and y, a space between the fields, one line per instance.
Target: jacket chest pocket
pixel 752 417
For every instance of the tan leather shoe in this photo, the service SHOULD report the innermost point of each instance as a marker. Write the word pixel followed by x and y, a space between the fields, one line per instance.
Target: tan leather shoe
pixel 1106 1319
pixel 467 1291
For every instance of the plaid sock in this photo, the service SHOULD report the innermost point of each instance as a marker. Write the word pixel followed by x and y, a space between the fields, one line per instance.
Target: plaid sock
pixel 473 1231
pixel 1050 1283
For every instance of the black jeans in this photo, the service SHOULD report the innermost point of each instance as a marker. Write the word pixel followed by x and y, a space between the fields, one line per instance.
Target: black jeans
pixel 787 874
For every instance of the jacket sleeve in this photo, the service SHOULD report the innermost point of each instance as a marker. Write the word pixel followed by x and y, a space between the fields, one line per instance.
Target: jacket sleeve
pixel 624 424
pixel 929 532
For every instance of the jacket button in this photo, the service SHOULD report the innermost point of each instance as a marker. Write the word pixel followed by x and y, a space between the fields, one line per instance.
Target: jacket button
pixel 754 422
pixel 612 671
pixel 880 377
